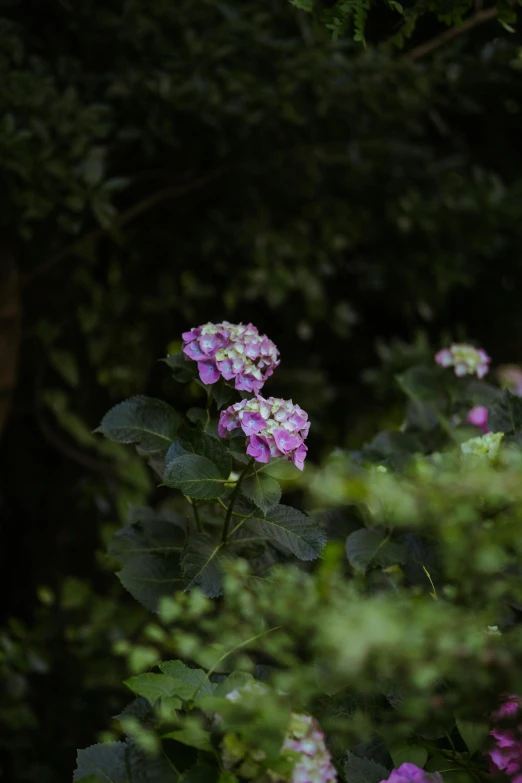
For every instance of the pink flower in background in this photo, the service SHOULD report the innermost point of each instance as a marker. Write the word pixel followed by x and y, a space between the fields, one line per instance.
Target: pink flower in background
pixel 313 762
pixel 505 758
pixel 466 359
pixel 510 376
pixel 479 417
pixel 273 427
pixel 233 352
pixel 411 773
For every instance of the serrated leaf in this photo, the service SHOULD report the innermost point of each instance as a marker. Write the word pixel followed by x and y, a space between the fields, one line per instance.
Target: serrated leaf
pixel 189 682
pixel 145 421
pixel 201 566
pixel 150 577
pixel 262 490
pixel 505 415
pixel 152 686
pixel 221 393
pixel 292 530
pixel 153 536
pixel 474 734
pixel 138 708
pixel 146 768
pixel 193 441
pixel 197 477
pixel 411 754
pixel 104 762
pixel 365 547
pixel 183 369
pixel 359 770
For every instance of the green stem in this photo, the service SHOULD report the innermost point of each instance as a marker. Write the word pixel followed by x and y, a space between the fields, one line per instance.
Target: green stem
pixel 196 515
pixel 233 499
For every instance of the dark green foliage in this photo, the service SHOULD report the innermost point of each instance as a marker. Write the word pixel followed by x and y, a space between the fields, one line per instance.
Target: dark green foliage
pixel 155 175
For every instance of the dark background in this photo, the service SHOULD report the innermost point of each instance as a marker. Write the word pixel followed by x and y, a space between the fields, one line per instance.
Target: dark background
pixel 164 164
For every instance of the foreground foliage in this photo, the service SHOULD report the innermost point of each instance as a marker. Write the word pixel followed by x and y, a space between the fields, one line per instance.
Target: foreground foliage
pixel 400 639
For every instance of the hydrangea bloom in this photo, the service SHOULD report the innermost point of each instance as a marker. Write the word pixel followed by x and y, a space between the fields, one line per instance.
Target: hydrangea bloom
pixel 410 773
pixel 466 359
pixel 511 377
pixel 479 417
pixel 233 352
pixel 274 428
pixel 505 758
pixel 483 446
pixel 304 752
pixel 313 762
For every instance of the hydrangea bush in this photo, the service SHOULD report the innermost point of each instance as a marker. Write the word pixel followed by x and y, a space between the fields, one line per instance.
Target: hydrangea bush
pixel 382 656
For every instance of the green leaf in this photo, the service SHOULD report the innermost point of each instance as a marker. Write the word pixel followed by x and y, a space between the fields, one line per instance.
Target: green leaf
pixel 183 369
pixel 359 770
pixel 221 393
pixel 104 762
pixel 234 681
pixel 191 734
pixel 146 768
pixel 262 490
pixel 281 469
pixel 365 547
pixel 152 686
pixel 197 477
pixel 201 565
pixel 424 384
pixel 189 682
pixel 148 423
pixel 194 441
pixel 202 772
pixel 505 415
pixel 474 734
pixel 292 530
pixel 411 754
pixel 149 537
pixel 150 577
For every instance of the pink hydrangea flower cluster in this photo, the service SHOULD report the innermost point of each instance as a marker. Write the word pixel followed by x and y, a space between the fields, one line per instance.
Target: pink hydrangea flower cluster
pixel 505 758
pixel 314 763
pixel 274 428
pixel 478 416
pixel 233 352
pixel 411 773
pixel 466 359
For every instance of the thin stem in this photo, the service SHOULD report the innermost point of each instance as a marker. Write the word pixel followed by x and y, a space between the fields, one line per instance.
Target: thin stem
pixel 229 652
pixel 233 499
pixel 197 518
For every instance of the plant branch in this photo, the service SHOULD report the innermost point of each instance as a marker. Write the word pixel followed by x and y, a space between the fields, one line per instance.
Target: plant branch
pixel 233 499
pixel 479 17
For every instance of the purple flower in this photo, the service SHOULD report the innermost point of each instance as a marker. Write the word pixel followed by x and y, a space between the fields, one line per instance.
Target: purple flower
pixel 505 758
pixel 478 416
pixel 465 359
pixel 231 351
pixel 259 448
pixel 410 773
pixel 275 428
